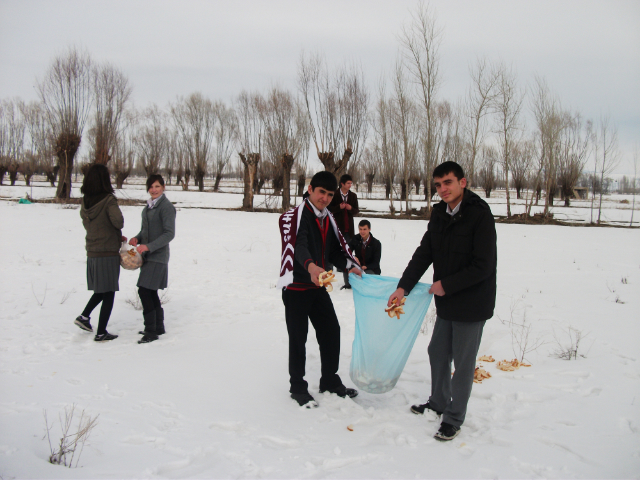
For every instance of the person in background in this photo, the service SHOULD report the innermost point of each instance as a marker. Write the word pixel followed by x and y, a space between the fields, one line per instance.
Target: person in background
pixel 158 229
pixel 344 206
pixel 460 242
pixel 103 221
pixel 367 249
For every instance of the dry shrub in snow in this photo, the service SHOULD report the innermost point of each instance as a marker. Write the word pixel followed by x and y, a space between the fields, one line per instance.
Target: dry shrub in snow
pixel 65 450
pixel 567 346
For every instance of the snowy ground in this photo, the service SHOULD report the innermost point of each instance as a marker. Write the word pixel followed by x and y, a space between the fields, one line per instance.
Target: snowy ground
pixel 210 398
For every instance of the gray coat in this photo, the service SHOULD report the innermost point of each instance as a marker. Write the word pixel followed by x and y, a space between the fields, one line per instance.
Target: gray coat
pixel 158 229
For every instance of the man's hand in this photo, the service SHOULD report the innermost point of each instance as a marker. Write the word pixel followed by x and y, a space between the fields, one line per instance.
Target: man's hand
pixel 342 205
pixel 347 206
pixel 398 295
pixel 315 271
pixel 356 270
pixel 364 268
pixel 437 289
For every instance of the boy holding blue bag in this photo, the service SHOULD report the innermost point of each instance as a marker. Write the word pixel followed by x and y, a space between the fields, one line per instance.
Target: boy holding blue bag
pixel 461 244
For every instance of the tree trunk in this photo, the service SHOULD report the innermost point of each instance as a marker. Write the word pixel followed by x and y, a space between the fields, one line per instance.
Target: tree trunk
pixel 337 168
pixel 67 145
pixel 121 177
pixel 3 170
pixel 487 192
pixel 13 173
pixel 199 179
pixel 250 162
pixel 302 179
pixel 216 185
pixel 287 164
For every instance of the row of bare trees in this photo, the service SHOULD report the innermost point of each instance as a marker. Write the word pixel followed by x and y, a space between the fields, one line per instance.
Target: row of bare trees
pixel 395 137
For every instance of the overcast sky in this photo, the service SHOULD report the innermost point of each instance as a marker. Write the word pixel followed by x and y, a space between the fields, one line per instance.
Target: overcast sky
pixel 588 51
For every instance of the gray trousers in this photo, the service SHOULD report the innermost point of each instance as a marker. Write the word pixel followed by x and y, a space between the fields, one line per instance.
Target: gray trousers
pixel 457 342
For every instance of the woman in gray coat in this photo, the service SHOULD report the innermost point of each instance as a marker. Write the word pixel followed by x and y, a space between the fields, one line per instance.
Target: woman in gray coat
pixel 158 229
pixel 103 221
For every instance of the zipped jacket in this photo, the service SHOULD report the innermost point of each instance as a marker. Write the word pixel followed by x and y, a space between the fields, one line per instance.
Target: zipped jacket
pixel 463 251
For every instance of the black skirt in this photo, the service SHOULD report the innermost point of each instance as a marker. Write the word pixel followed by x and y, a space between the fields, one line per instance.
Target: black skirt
pixel 103 274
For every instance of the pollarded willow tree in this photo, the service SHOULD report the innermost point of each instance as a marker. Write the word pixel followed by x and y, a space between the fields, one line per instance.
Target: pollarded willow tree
pixel 250 132
pixel 65 91
pixel 286 134
pixel 111 93
pixel 337 104
pixel 194 118
pixel 12 130
pixel 152 139
pixel 40 139
pixel 225 140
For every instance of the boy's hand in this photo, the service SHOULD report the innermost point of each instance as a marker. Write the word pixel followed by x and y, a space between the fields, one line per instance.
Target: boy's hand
pixel 398 295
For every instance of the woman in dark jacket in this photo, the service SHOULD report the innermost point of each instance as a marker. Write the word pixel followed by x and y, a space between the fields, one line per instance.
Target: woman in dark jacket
pixel 103 221
pixel 158 229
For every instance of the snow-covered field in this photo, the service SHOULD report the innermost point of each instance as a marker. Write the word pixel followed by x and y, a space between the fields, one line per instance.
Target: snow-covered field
pixel 210 398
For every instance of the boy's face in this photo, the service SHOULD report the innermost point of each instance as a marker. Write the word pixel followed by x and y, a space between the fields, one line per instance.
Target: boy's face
pixel 450 188
pixel 345 187
pixel 364 231
pixel 319 197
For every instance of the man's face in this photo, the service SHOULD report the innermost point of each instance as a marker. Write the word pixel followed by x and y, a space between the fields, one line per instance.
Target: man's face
pixel 364 231
pixel 345 187
pixel 450 188
pixel 320 197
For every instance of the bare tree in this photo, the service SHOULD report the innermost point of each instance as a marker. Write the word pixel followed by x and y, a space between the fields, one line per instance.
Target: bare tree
pixel 225 138
pixel 286 134
pixel 507 105
pixel 123 152
pixel 65 92
pixel 606 152
pixel 194 118
pixel 521 161
pixel 250 130
pixel 40 136
pixel 337 109
pixel 385 144
pixel 152 139
pixel 420 41
pixel 573 154
pixel 370 167
pixel 487 172
pixel 480 96
pixel 111 92
pixel 635 182
pixel 12 133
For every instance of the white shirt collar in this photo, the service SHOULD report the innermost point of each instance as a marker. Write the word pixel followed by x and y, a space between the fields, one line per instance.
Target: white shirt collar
pixel 319 214
pixel 455 210
pixel 152 203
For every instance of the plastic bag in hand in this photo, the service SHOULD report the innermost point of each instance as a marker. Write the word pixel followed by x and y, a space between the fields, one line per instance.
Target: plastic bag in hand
pixel 382 345
pixel 130 259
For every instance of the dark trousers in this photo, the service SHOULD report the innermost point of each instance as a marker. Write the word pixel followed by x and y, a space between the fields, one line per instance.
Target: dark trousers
pixel 457 341
pixel 149 299
pixel 107 299
pixel 314 305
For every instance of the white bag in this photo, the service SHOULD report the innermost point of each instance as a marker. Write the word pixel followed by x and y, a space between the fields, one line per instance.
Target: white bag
pixel 130 259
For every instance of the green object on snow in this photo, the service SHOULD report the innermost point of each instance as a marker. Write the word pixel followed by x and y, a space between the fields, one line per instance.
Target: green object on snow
pixel 24 200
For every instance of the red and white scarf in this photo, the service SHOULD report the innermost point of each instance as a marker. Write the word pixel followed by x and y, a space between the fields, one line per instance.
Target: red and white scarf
pixel 288 234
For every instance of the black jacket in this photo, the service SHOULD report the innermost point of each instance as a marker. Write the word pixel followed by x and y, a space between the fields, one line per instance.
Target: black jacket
pixel 463 251
pixel 344 217
pixel 372 253
pixel 310 247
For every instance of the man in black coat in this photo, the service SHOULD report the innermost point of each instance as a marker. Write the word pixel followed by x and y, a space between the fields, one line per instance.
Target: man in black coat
pixel 305 300
pixel 367 248
pixel 461 244
pixel 344 206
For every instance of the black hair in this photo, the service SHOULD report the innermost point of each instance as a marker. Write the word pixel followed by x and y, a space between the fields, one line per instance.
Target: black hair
pixel 153 179
pixel 345 178
pixel 365 223
pixel 448 167
pixel 96 181
pixel 324 179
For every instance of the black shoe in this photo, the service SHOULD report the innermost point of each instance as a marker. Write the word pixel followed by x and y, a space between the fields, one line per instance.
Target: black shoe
pixel 343 391
pixel 305 400
pixel 425 409
pixel 104 337
pixel 83 324
pixel 447 432
pixel 148 338
pixel 347 287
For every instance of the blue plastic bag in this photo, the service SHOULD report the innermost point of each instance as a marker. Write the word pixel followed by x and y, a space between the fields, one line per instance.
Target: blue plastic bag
pixel 382 344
